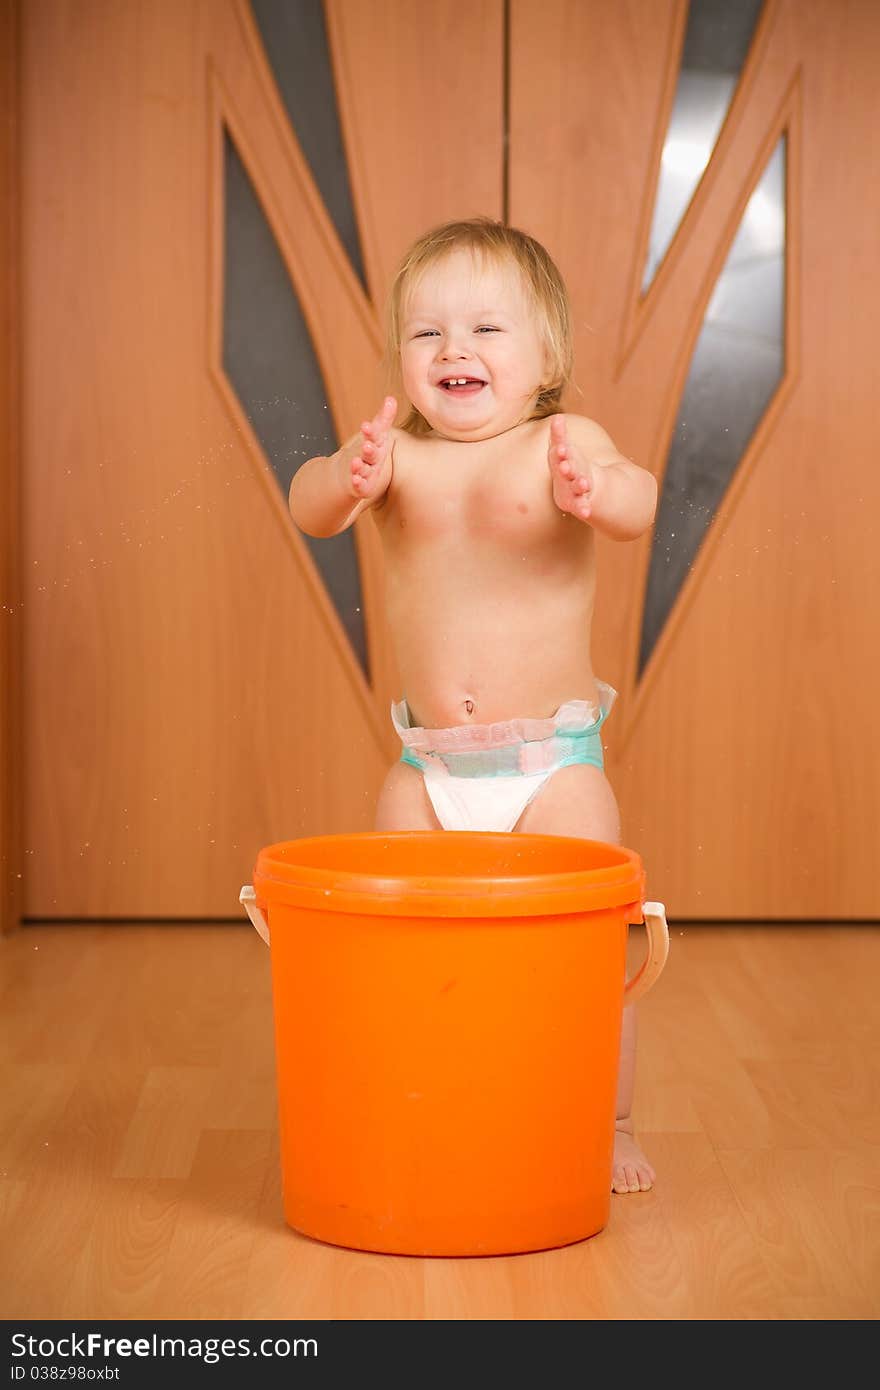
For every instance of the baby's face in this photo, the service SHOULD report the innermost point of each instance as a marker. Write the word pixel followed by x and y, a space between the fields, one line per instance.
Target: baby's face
pixel 470 320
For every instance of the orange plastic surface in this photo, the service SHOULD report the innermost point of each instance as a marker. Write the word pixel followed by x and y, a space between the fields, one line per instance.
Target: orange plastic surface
pixel 447 1080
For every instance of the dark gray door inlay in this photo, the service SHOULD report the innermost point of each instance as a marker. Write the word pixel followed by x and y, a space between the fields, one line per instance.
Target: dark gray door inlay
pixel 294 36
pixel 269 359
pixel 716 42
pixel 737 365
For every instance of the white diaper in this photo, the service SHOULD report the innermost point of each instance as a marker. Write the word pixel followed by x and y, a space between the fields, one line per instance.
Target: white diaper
pixel 481 803
pixel 483 776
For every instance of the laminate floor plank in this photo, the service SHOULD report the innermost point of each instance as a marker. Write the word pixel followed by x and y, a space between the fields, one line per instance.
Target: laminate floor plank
pixel 140 1174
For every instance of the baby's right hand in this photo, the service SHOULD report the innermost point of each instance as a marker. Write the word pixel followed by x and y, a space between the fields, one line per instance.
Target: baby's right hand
pixel 367 472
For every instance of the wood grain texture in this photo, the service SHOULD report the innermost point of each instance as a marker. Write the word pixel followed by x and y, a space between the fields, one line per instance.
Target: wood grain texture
pixel 11 553
pixel 139 1168
pixel 421 102
pixel 739 756
pixel 173 611
pixel 184 666
pixel 180 658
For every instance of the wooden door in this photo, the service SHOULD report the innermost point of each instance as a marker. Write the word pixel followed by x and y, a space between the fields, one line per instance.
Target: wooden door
pixel 192 690
pixel 744 751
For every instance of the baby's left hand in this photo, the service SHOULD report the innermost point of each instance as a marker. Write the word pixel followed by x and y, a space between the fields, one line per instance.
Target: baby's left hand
pixel 574 478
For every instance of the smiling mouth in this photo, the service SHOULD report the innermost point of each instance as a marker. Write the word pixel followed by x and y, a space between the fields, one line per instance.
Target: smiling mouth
pixel 462 386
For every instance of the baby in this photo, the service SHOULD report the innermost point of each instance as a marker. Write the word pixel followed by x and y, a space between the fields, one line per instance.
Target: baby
pixel 487 499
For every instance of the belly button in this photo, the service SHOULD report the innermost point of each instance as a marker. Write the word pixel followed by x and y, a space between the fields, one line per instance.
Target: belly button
pixel 469 706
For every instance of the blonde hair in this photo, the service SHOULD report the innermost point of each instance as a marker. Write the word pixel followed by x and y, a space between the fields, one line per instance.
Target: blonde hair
pixel 541 280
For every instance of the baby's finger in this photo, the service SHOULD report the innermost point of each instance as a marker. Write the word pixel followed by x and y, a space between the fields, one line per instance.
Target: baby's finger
pixel 373 443
pixel 385 416
pixel 558 431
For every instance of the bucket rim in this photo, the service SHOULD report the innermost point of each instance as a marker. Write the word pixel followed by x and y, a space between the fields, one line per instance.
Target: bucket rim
pixel 279 878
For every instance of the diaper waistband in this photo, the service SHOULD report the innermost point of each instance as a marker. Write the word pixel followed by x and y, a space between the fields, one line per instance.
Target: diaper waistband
pixel 508 747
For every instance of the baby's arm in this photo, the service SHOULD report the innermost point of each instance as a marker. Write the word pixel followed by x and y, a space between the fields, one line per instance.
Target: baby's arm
pixel 595 483
pixel 328 494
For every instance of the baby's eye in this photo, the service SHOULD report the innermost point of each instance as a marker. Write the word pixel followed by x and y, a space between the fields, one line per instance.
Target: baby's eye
pixel 425 332
pixel 487 328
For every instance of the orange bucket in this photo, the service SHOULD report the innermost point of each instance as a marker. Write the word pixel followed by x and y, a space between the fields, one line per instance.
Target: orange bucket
pixel 447 1024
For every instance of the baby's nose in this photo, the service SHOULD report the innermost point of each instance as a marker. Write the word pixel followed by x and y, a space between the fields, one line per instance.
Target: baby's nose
pixel 452 351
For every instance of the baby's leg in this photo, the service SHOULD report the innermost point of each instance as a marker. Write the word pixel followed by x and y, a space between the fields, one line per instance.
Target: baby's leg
pixel 404 803
pixel 578 800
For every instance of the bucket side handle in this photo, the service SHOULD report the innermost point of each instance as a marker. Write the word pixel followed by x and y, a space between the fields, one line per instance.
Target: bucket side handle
pixel 658 949
pixel 248 899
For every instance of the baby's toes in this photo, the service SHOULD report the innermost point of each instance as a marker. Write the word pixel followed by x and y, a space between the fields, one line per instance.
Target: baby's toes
pixel 644 1176
pixel 626 1179
pixel 631 1171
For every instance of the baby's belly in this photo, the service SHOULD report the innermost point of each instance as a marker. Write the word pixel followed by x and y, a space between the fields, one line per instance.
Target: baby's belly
pixel 489 663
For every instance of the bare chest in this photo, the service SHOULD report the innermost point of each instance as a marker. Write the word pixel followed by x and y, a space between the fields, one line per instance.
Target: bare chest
pixel 491 498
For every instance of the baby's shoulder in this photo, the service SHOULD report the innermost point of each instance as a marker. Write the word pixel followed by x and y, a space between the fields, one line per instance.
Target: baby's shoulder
pixel 403 448
pixel 396 434
pixel 582 430
pixel 400 438
pixel 400 444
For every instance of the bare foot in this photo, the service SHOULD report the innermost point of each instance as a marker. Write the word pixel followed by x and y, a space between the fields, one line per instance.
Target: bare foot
pixel 631 1171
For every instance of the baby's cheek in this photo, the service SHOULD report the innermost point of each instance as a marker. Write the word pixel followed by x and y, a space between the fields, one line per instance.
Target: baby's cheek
pixel 412 370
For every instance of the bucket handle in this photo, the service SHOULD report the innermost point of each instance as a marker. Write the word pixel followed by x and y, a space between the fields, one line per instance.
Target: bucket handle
pixel 655 923
pixel 658 949
pixel 248 899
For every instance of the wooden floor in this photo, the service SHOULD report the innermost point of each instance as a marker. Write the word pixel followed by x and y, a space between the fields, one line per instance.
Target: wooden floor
pixel 139 1173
